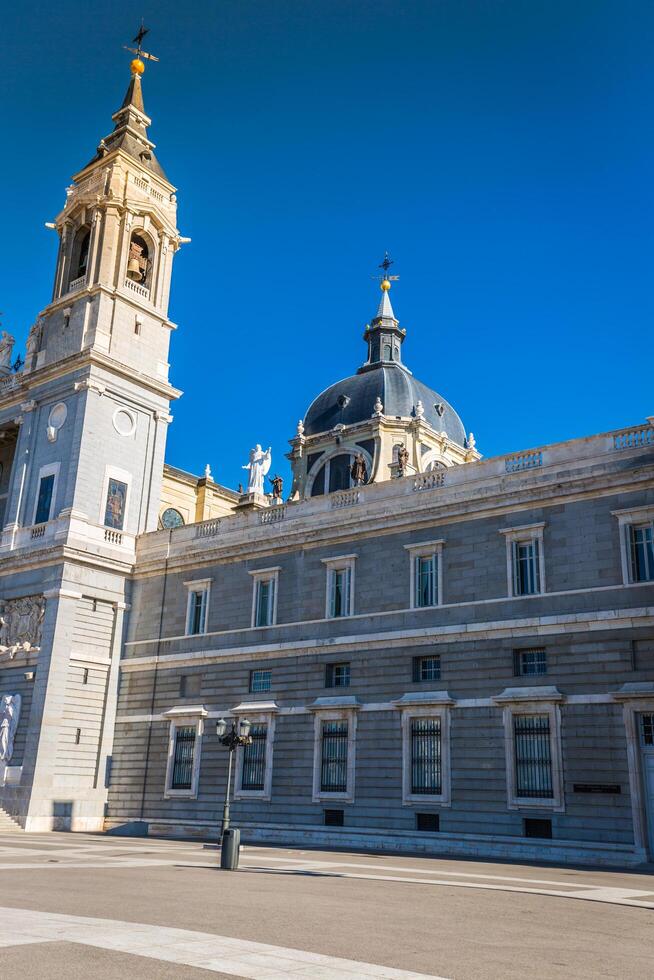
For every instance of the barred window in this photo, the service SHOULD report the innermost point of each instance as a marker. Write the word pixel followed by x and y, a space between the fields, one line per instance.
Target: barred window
pixel 526 567
pixel 528 663
pixel 426 756
pixel 337 675
pixel 260 680
pixel 426 668
pixel 647 729
pixel 182 776
pixel 333 768
pixel 426 585
pixel 254 759
pixel 641 549
pixel 533 756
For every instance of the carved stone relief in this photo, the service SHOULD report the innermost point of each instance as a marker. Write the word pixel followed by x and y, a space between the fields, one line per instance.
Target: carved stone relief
pixel 21 622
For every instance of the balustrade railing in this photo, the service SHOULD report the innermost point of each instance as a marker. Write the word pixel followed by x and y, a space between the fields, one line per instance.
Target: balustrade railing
pixel 429 481
pixel 137 288
pixel 207 529
pixel 113 537
pixel 38 531
pixel 345 498
pixel 635 438
pixel 76 284
pixel 523 461
pixel 273 514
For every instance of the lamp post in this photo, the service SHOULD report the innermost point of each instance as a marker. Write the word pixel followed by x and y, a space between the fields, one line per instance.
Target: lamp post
pixel 239 734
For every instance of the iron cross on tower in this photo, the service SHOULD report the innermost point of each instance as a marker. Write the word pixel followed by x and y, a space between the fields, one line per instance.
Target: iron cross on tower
pixel 385 278
pixel 138 41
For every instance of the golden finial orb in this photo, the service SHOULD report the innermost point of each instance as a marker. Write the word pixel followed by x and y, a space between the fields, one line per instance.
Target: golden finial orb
pixel 385 285
pixel 137 67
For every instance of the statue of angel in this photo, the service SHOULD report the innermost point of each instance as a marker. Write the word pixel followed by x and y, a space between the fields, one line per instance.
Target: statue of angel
pixel 9 715
pixel 258 466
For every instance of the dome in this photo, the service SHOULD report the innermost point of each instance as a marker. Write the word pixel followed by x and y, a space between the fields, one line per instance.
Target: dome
pixel 352 400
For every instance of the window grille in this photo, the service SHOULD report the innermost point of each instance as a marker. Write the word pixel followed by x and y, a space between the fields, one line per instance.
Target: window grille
pixel 641 547
pixel 260 680
pixel 333 769
pixel 425 581
pixel 265 603
pixel 533 756
pixel 44 502
pixel 538 827
pixel 254 759
pixel 197 614
pixel 426 669
pixel 339 600
pixel 426 756
pixel 429 822
pixel 647 729
pixel 337 675
pixel 182 777
pixel 334 818
pixel 526 567
pixel 528 663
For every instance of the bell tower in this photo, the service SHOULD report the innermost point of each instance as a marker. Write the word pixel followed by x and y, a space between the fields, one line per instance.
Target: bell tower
pixel 82 437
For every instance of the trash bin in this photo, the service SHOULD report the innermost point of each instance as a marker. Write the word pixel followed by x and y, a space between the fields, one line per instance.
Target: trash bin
pixel 229 849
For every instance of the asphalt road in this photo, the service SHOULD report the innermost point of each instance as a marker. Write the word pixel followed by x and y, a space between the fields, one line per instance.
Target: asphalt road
pixel 80 906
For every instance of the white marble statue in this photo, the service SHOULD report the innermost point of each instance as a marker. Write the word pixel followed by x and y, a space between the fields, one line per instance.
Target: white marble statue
pixel 6 347
pixel 9 715
pixel 258 466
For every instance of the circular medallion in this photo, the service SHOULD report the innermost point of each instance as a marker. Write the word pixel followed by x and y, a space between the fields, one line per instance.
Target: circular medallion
pixel 124 422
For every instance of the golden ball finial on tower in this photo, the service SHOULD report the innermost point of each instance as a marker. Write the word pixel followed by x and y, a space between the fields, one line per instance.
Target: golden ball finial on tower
pixel 385 285
pixel 137 67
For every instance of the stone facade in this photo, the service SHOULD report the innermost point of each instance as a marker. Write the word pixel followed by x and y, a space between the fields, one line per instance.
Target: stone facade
pixel 437 653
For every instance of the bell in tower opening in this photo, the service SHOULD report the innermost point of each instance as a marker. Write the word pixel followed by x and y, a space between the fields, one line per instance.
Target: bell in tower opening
pixel 138 263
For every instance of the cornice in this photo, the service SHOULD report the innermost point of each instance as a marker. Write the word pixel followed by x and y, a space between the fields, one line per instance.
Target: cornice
pixel 407 514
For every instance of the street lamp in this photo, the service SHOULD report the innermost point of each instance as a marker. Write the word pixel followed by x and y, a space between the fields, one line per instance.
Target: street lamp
pixel 239 734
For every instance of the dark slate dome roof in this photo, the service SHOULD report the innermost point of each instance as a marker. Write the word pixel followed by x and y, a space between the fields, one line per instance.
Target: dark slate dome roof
pixel 399 391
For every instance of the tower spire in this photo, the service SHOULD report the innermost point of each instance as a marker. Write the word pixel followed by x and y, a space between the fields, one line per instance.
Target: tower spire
pixel 383 334
pixel 130 132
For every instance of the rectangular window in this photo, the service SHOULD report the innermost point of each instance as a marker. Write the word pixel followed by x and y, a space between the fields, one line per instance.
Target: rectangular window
pixel 182 772
pixel 265 602
pixel 526 567
pixel 197 612
pixel 114 513
pixel 260 680
pixel 426 585
pixel 537 827
pixel 333 818
pixel 426 668
pixel 647 729
pixel 641 552
pixel 426 756
pixel 254 759
pixel 44 500
pixel 339 600
pixel 333 768
pixel 529 663
pixel 533 756
pixel 428 822
pixel 337 675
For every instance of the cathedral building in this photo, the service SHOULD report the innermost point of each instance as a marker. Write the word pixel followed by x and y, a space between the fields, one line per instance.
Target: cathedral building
pixel 436 652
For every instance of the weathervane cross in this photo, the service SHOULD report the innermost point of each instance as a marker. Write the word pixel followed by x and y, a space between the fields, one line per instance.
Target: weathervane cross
pixel 138 41
pixel 385 265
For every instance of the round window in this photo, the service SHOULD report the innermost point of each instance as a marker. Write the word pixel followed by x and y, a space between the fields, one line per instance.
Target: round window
pixel 171 518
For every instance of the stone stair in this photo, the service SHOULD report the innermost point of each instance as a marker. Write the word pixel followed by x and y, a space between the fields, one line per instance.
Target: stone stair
pixel 8 823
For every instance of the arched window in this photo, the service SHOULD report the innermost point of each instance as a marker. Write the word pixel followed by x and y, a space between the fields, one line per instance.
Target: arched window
pixel 335 474
pixel 139 261
pixel 79 258
pixel 388 356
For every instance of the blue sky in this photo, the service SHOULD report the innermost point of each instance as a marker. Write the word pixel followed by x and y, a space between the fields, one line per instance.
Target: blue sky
pixel 503 151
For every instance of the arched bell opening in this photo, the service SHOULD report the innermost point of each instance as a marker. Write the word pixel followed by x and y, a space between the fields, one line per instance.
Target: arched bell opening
pixel 140 259
pixel 79 258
